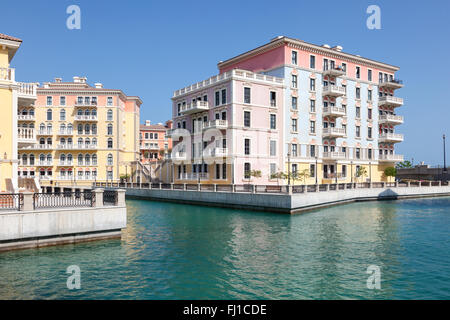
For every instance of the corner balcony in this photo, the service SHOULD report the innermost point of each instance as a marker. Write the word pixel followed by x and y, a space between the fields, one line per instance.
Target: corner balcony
pixel 26 136
pixel 217 153
pixel 333 91
pixel 26 117
pixel 194 107
pixel 179 156
pixel 390 119
pixel 27 92
pixel 334 155
pixel 390 158
pixel 334 71
pixel 333 132
pixel 86 118
pixel 391 84
pixel 333 112
pixel 390 137
pixel 218 124
pixel 390 101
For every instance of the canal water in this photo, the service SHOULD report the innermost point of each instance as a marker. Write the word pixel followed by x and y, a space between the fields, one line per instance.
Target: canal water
pixel 173 251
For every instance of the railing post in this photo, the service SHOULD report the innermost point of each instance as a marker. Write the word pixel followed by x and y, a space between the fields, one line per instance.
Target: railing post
pixel 327 187
pixel 160 186
pixel 121 197
pixel 439 183
pixel 171 186
pixel 408 184
pixel 396 184
pixel 289 189
pixel 28 204
pixel 317 188
pixel 215 187
pixel 233 188
pixel 198 187
pixel 253 188
pixel 370 185
pixel 420 183
pixel 305 188
pixel 429 183
pixel 184 186
pixel 98 193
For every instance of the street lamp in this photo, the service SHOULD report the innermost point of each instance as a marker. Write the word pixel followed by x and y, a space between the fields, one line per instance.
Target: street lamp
pixel 317 170
pixel 289 168
pixel 445 165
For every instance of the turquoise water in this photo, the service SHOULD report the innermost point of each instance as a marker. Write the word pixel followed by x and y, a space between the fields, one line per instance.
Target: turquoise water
pixel 173 251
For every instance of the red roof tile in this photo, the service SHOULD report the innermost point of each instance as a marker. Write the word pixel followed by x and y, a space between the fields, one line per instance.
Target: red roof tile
pixel 6 37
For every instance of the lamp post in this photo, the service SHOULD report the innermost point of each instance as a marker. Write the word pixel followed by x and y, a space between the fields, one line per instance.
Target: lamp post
pixel 289 168
pixel 317 170
pixel 445 165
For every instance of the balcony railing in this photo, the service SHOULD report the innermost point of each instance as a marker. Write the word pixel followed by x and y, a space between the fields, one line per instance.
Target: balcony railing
pixel 334 155
pixel 391 83
pixel 179 156
pixel 195 107
pixel 65 132
pixel 333 131
pixel 393 137
pixel 45 163
pixel 194 176
pixel 37 147
pixel 26 135
pixel 217 152
pixel 86 117
pixel 77 146
pixel 83 103
pixel 27 90
pixel 7 74
pixel 333 90
pixel 333 70
pixel 219 124
pixel 334 111
pixel 390 157
pixel 26 117
pixel 65 163
pixel 390 100
pixel 390 118
pixel 45 132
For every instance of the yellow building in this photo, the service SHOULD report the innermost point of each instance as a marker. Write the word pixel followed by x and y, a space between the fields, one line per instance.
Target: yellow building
pixel 84 134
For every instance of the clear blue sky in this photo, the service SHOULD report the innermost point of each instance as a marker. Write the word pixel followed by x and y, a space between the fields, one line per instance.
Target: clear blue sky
pixel 151 48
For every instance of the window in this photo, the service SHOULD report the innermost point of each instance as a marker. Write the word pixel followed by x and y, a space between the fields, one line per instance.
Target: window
pixel 294 169
pixel 49 115
pixel 358 72
pixel 110 143
pixel 273 121
pixel 358 153
pixel 246 118
pixel 344 67
pixel 294 57
pixel 312 150
pixel 273 148
pixel 294 150
pixel 369 75
pixel 109 115
pixel 312 127
pixel 312 84
pixel 358 131
pixel 247 169
pixel 62 101
pixel 49 101
pixel 344 170
pixel 224 170
pixel 312 105
pixel 312 170
pixel 312 62
pixel 294 103
pixel 109 160
pixel 358 93
pixel 247 95
pixel 62 115
pixel 94 129
pixel 294 125
pixel 273 99
pixel 369 114
pixel 247 146
pixel 109 129
pixel 224 96
pixel 369 133
pixel 217 171
pixel 294 81
pixel 217 96
pixel 369 153
pixel 358 112
pixel 273 170
pixel 87 129
pixel 224 115
pixel 369 95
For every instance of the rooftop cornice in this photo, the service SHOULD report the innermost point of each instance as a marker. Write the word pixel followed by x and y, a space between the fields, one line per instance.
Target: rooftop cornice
pixel 302 45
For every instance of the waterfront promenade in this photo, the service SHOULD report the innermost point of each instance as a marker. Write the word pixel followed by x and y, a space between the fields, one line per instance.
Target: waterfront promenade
pixel 282 198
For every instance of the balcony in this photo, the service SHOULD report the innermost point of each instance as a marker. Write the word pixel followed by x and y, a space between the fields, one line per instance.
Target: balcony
pixel 333 91
pixel 194 107
pixel 216 153
pixel 332 175
pixel 390 119
pixel 65 132
pixel 80 146
pixel 179 156
pixel 7 74
pixel 37 147
pixel 390 158
pixel 391 84
pixel 45 133
pixel 65 163
pixel 26 117
pixel 27 91
pixel 45 163
pixel 218 124
pixel 334 155
pixel 390 101
pixel 334 112
pixel 390 137
pixel 333 132
pixel 194 176
pixel 26 135
pixel 83 117
pixel 334 71
pixel 150 147
pixel 90 103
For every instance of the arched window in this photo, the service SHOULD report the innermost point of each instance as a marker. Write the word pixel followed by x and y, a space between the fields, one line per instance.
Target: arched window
pixel 80 159
pixel 69 128
pixel 87 160
pixel 62 115
pixel 94 141
pixel 110 160
pixel 49 141
pixel 94 159
pixel 87 129
pixel 87 112
pixel 62 128
pixel 41 141
pixel 69 141
pixel 79 112
pixel 110 143
pixel 62 157
pixel 49 158
pixel 31 112
pixel 32 159
pixel 49 128
pixel 80 128
pixel 94 129
pixel 69 158
pixel 94 112
pixel 110 129
pixel 42 128
pixel 41 158
pixel 109 115
pixel 87 141
pixel 24 159
pixel 80 142
pixel 49 114
pixel 62 141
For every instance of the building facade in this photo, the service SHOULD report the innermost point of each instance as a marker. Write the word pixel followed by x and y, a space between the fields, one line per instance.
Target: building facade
pixel 335 113
pixel 83 134
pixel 154 143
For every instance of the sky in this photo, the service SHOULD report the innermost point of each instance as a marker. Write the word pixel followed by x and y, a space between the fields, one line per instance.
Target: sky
pixel 152 48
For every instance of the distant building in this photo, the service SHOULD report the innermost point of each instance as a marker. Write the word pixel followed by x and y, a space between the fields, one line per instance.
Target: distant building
pixel 153 141
pixel 424 172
